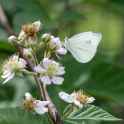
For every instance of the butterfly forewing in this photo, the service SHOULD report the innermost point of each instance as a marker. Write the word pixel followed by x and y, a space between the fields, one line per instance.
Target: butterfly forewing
pixel 83 45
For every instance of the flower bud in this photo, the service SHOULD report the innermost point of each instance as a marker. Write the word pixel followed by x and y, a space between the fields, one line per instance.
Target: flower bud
pixel 27 52
pixel 46 36
pixel 12 38
pixel 62 51
pixel 28 96
pixel 37 25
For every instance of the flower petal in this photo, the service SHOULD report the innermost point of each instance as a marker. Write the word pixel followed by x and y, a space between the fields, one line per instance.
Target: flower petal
pixel 46 80
pixel 9 78
pixel 56 42
pixel 46 62
pixel 28 96
pixel 44 103
pixel 22 63
pixel 61 51
pixel 22 35
pixel 61 70
pixel 41 110
pixel 46 35
pixel 57 80
pixel 40 106
pixel 90 99
pixel 37 25
pixel 77 103
pixel 66 97
pixel 39 69
pixel 6 74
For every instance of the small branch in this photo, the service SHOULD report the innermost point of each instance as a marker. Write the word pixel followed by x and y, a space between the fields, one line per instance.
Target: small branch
pixel 4 22
pixel 52 109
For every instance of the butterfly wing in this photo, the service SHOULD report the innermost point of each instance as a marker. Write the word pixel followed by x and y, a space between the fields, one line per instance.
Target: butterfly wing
pixel 83 46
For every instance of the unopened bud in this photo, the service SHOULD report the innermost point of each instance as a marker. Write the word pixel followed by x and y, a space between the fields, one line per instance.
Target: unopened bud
pixel 46 36
pixel 62 51
pixel 28 96
pixel 27 52
pixel 12 38
pixel 37 25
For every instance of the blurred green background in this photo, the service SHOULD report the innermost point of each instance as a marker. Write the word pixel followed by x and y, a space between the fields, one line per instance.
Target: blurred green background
pixel 103 77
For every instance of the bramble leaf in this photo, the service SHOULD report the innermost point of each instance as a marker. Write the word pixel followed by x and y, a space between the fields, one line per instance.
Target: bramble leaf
pixel 89 112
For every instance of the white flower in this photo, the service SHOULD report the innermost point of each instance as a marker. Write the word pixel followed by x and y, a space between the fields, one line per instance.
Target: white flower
pixel 55 44
pixel 31 104
pixel 50 72
pixel 27 35
pixel 13 65
pixel 77 98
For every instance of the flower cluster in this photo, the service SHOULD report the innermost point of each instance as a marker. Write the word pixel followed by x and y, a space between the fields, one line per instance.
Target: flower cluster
pixel 54 44
pixel 28 34
pixel 31 104
pixel 50 72
pixel 12 66
pixel 77 98
pixel 47 69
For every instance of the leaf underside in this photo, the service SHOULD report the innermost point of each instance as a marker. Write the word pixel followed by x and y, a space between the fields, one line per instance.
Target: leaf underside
pixel 90 112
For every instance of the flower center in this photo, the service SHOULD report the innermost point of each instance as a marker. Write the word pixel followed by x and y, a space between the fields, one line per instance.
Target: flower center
pixel 82 98
pixel 52 69
pixel 29 104
pixel 29 29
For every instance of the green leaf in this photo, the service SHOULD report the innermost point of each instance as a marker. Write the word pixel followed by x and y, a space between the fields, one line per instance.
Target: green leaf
pixel 90 112
pixel 19 116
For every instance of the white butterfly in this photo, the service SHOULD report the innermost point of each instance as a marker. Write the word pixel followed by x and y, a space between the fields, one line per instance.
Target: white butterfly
pixel 83 46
